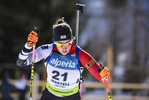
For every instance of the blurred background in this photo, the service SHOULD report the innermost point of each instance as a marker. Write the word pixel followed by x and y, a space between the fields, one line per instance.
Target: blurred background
pixel 114 32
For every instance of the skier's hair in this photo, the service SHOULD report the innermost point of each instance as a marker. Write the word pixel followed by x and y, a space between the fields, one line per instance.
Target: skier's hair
pixel 60 23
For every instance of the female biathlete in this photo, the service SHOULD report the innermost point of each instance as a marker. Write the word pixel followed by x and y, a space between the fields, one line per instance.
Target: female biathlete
pixel 62 61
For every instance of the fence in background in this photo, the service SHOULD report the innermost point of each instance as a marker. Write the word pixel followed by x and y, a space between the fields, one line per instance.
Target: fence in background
pixel 101 85
pixel 92 85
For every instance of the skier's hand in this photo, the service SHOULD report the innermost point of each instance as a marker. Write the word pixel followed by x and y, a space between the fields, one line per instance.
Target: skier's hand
pixel 104 73
pixel 32 38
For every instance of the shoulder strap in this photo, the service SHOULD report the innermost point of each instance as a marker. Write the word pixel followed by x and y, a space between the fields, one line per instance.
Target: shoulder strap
pixel 49 57
pixel 77 49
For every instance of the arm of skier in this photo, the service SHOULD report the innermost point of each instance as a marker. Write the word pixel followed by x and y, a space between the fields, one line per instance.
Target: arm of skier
pixel 25 56
pixel 88 61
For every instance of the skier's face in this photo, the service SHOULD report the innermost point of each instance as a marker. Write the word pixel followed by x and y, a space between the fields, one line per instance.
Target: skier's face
pixel 64 46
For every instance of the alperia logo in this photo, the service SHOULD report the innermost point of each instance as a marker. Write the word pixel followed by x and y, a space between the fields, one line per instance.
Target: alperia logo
pixel 58 62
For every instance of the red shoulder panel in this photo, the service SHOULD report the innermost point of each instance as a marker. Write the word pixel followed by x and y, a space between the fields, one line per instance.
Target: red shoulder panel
pixel 84 57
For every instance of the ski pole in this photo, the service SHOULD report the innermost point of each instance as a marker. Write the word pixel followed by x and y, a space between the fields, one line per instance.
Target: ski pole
pixel 32 67
pixel 79 7
pixel 109 95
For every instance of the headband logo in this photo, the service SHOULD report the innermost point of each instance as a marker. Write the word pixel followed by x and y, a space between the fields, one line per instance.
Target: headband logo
pixel 63 37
